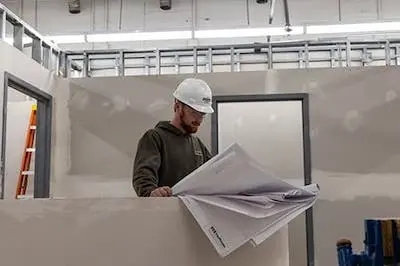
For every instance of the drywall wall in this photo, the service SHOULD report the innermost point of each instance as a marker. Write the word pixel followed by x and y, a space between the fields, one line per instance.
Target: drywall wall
pixel 124 232
pixel 354 139
pixel 25 68
pixel 61 135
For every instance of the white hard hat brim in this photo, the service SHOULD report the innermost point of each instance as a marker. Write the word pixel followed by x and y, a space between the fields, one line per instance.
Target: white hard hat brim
pixel 202 108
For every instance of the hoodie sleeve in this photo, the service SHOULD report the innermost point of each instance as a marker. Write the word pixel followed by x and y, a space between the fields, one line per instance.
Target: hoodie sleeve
pixel 146 164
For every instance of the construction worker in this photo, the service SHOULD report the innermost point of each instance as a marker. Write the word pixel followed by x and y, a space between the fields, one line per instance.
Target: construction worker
pixel 169 151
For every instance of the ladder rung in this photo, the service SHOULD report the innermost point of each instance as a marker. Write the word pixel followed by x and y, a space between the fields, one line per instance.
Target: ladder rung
pixel 25 197
pixel 28 172
pixel 26 161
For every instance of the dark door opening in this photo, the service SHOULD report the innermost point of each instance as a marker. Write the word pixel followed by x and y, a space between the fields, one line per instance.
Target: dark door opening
pixel 42 164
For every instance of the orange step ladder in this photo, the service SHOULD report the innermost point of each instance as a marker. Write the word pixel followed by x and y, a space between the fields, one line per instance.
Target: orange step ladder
pixel 25 171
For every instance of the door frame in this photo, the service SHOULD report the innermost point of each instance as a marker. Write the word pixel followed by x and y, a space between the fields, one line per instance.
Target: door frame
pixel 304 98
pixel 43 133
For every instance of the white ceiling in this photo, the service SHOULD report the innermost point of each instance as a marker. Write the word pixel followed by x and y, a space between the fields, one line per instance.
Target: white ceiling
pixel 51 17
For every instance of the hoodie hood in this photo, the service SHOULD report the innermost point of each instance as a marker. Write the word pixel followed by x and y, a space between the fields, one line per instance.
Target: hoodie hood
pixel 166 125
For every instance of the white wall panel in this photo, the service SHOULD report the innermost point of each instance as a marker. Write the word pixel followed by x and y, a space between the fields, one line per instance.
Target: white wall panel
pixel 53 18
pixel 98 16
pixel 29 14
pixel 114 15
pixel 129 17
pixel 354 140
pixel 359 10
pixel 253 67
pixel 313 12
pixel 13 5
pixel 221 14
pixel 178 18
pixel 99 232
pixel 390 9
pixel 133 16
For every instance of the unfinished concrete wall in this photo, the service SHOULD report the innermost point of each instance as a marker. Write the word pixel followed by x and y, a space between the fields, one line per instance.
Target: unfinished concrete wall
pixel 123 232
pixel 355 147
pixel 17 63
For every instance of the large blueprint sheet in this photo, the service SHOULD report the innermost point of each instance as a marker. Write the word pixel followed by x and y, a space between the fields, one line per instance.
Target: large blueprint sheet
pixel 235 200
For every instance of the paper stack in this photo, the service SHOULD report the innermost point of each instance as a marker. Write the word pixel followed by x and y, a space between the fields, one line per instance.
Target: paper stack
pixel 234 200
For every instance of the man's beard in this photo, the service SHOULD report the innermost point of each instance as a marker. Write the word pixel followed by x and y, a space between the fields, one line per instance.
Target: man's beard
pixel 190 129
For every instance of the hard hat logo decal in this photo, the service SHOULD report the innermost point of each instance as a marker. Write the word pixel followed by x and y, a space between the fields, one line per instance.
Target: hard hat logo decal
pixel 206 100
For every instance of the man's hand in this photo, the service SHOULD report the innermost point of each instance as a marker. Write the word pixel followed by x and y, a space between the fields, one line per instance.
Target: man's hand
pixel 161 192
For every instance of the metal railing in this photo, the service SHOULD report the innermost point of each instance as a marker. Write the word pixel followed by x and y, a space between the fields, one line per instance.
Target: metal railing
pixel 26 39
pixel 234 58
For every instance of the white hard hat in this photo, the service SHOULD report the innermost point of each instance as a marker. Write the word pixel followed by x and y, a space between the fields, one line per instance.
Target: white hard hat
pixel 196 94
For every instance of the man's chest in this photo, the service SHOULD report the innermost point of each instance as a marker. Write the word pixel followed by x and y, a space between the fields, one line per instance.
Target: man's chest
pixel 185 152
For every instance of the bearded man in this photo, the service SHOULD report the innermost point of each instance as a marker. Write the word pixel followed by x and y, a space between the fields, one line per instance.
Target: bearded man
pixel 169 151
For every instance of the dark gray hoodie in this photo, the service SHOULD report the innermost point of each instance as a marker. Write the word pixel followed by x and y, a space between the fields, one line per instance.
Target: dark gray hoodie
pixel 164 156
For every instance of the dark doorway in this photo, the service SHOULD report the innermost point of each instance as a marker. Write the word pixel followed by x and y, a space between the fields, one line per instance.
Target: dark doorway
pixel 43 134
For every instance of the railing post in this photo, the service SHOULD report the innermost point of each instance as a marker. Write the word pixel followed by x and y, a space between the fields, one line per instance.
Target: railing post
pixel 348 53
pixel 210 60
pixel 195 70
pixel 270 57
pixel 85 65
pixel 332 53
pixel 306 55
pixel 387 53
pixel 177 66
pixel 121 63
pixel 37 50
pixel 3 21
pixel 158 62
pixel 232 58
pixel 46 56
pixel 61 64
pixel 18 36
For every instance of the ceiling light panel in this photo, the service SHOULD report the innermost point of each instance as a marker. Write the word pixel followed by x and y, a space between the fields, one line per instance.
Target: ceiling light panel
pixel 248 32
pixel 139 36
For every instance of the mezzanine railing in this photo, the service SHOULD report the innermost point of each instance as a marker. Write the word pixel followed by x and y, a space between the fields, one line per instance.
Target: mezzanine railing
pixel 18 33
pixel 250 57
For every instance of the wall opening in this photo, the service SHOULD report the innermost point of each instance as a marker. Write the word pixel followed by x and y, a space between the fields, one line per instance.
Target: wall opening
pixel 274 129
pixel 42 163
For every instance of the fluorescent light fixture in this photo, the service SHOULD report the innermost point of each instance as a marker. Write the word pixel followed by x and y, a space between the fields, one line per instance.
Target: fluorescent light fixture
pixel 353 28
pixel 67 38
pixel 139 36
pixel 222 33
pixel 248 32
